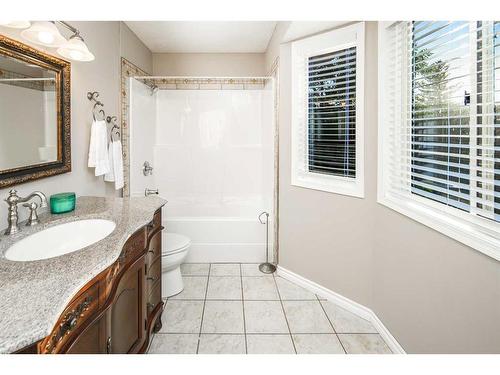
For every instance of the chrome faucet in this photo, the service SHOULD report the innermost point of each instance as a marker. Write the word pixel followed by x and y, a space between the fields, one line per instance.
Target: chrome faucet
pixel 12 200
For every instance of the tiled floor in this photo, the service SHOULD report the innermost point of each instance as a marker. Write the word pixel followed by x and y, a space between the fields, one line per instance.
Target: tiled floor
pixel 236 309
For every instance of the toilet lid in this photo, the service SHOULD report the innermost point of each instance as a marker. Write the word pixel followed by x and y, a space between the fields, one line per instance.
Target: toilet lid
pixel 175 242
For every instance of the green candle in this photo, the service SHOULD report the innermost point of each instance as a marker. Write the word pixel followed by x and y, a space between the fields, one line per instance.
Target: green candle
pixel 62 202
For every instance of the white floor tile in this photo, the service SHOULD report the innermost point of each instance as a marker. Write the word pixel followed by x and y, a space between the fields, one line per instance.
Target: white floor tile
pixel 270 344
pixel 224 269
pixel 291 291
pixel 265 317
pixel 317 344
pixel 194 288
pixel 222 344
pixel 306 317
pixel 252 269
pixel 195 269
pixel 364 344
pixel 259 288
pixel 182 317
pixel 346 322
pixel 224 287
pixel 167 343
pixel 223 317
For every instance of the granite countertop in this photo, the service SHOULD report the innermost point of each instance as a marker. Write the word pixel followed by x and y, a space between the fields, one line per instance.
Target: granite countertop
pixel 34 294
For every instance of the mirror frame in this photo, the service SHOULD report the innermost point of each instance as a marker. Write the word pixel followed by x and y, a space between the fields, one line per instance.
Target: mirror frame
pixel 20 51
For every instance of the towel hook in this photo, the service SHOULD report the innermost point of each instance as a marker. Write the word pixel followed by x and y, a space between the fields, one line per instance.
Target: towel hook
pixel 112 120
pixel 93 97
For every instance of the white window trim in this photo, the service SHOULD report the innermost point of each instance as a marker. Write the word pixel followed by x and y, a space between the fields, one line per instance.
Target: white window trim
pixel 478 233
pixel 353 35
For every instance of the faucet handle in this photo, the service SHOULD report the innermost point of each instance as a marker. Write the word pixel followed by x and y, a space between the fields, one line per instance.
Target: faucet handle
pixel 12 197
pixel 33 219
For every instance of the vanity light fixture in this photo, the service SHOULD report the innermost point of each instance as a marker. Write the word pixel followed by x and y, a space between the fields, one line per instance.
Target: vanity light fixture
pixel 16 24
pixel 75 49
pixel 44 33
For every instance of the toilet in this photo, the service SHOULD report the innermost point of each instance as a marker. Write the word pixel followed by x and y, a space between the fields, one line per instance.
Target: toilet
pixel 174 252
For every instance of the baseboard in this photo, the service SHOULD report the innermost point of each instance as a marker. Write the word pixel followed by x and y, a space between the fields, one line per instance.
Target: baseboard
pixel 226 253
pixel 345 303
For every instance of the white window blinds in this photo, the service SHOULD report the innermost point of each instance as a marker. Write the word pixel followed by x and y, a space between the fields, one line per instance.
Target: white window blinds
pixel 332 113
pixel 440 98
pixel 327 111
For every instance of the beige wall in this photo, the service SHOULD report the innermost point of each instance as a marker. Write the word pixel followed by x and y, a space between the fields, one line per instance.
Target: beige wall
pixel 103 75
pixel 132 48
pixel 317 235
pixel 434 294
pixel 209 64
pixel 273 47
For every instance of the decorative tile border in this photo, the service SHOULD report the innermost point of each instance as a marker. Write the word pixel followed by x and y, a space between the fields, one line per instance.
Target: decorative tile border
pixel 127 70
pixel 274 72
pixel 180 83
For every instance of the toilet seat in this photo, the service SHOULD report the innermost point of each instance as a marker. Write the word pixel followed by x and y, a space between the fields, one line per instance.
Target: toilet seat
pixel 175 243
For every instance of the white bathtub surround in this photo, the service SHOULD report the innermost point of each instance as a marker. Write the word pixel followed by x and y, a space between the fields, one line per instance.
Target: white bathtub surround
pixel 221 312
pixel 212 151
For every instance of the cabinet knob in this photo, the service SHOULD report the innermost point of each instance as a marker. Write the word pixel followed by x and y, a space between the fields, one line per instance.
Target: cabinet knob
pixel 108 345
pixel 149 278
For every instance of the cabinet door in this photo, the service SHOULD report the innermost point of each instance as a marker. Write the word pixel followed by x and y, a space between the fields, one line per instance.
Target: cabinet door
pixel 92 340
pixel 127 312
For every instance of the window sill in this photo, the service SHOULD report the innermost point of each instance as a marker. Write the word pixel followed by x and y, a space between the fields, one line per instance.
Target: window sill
pixel 464 231
pixel 329 184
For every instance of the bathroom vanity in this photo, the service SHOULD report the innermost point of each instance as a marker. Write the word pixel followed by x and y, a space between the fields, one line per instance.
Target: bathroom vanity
pixel 105 298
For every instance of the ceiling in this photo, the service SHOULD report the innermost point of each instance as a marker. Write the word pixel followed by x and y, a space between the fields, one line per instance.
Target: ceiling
pixel 205 36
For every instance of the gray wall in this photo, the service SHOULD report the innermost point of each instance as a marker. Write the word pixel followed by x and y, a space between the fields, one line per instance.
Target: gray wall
pixel 103 75
pixel 209 64
pixel 434 294
pixel 132 48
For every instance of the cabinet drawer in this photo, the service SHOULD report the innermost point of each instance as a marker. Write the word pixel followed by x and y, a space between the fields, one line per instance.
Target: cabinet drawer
pixel 153 274
pixel 72 319
pixel 155 224
pixel 134 246
pixel 154 249
pixel 154 297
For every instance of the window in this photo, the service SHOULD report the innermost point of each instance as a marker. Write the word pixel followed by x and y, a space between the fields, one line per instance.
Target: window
pixel 327 114
pixel 439 127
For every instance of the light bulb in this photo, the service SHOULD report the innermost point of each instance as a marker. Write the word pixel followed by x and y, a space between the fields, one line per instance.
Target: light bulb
pixel 45 37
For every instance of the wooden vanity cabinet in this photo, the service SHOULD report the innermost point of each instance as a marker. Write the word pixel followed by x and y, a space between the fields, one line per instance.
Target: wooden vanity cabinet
pixel 92 340
pixel 116 311
pixel 127 313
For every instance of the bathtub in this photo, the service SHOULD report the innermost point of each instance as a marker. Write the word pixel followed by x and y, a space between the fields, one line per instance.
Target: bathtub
pixel 222 239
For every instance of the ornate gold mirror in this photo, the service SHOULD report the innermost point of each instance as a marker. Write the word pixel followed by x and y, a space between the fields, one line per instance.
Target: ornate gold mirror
pixel 35 118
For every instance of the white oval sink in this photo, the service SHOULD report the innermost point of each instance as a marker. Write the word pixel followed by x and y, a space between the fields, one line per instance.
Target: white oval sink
pixel 60 239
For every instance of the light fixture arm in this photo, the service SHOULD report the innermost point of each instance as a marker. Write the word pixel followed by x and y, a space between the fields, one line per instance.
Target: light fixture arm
pixel 74 30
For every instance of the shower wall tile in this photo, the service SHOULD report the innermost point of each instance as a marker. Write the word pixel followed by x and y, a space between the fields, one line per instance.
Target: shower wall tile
pixel 188 86
pixel 233 86
pixel 127 70
pixel 210 86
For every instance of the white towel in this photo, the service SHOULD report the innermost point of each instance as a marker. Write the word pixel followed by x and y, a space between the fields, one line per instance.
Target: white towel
pixel 110 176
pixel 92 145
pixel 98 148
pixel 116 164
